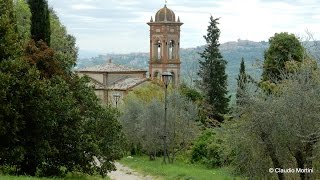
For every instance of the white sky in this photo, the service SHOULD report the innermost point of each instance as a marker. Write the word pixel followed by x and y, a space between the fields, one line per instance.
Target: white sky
pixel 119 26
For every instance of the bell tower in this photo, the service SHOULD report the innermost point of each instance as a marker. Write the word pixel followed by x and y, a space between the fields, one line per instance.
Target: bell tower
pixel 165 45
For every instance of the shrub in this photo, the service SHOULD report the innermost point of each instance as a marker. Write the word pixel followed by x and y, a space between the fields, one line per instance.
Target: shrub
pixel 209 149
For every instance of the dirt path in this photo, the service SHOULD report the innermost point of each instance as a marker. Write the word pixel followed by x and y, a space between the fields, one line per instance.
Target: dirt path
pixel 125 173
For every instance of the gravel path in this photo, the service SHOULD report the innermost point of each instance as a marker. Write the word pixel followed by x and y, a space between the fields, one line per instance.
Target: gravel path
pixel 125 173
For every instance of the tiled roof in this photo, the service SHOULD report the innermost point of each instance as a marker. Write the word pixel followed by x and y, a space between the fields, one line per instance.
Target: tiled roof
pixel 127 83
pixel 123 84
pixel 96 84
pixel 110 67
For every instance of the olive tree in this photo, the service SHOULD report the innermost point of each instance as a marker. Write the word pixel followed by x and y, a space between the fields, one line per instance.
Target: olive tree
pixel 152 131
pixel 143 123
pixel 279 130
pixel 182 116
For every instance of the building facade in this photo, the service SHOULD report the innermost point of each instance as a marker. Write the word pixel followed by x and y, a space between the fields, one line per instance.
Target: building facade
pixel 110 79
pixel 165 45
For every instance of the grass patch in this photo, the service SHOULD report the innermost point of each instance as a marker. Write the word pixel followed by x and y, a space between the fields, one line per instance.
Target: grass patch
pixel 3 177
pixel 178 170
pixel 72 176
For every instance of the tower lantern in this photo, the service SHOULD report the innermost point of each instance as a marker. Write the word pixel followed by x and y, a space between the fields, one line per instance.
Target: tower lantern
pixel 165 45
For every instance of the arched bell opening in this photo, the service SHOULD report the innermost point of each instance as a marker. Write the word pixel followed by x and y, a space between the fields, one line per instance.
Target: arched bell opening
pixel 157 50
pixel 171 50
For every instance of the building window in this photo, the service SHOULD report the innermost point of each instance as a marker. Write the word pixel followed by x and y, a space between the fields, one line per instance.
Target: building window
pixel 171 49
pixel 157 50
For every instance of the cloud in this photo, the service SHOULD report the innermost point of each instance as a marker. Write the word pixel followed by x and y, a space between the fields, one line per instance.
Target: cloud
pixel 83 7
pixel 120 25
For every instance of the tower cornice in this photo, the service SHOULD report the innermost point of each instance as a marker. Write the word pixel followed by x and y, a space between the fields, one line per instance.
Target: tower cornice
pixel 165 23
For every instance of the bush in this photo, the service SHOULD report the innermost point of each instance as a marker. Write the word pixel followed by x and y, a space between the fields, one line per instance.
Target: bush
pixel 208 149
pixel 47 124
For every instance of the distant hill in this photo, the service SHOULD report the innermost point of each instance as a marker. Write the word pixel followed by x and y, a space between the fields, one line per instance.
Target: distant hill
pixel 231 51
pixel 251 51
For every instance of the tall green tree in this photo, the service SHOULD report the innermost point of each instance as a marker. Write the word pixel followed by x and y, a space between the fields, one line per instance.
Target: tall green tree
pixel 9 44
pixel 284 47
pixel 63 43
pixel 212 70
pixel 23 15
pixel 241 81
pixel 51 126
pixel 40 21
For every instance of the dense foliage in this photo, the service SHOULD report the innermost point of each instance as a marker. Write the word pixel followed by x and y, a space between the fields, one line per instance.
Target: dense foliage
pixel 49 124
pixel 143 121
pixel 40 21
pixel 281 129
pixel 191 93
pixel 63 43
pixel 23 15
pixel 213 81
pixel 51 121
pixel 284 47
pixel 241 81
pixel 9 44
pixel 209 149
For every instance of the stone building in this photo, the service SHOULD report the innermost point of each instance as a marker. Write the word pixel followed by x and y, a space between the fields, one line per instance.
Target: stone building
pixel 110 79
pixel 165 44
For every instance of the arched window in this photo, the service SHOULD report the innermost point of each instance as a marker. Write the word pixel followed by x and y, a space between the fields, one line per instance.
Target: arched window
pixel 157 50
pixel 171 49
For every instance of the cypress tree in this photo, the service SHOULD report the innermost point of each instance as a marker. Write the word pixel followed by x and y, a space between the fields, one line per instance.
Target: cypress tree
pixel 9 43
pixel 241 81
pixel 212 70
pixel 40 21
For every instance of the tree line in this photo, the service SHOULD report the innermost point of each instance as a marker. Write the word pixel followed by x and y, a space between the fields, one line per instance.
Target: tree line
pixel 274 123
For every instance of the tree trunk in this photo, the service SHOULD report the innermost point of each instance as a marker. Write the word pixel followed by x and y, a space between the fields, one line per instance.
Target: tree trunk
pixel 272 153
pixel 28 166
pixel 152 156
pixel 309 154
pixel 172 156
pixel 298 155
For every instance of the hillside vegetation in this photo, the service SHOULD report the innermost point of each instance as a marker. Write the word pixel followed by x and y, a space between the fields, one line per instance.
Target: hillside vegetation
pixel 232 51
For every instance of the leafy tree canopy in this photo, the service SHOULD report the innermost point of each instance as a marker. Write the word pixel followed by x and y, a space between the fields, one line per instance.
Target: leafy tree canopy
pixel 51 121
pixel 10 47
pixel 40 21
pixel 47 124
pixel 283 47
pixel 23 15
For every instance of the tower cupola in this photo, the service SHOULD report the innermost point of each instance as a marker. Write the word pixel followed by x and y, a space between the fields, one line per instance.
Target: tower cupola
pixel 165 15
pixel 165 44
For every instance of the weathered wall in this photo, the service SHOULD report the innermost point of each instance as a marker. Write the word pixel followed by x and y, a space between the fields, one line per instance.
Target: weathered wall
pixel 95 76
pixel 111 78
